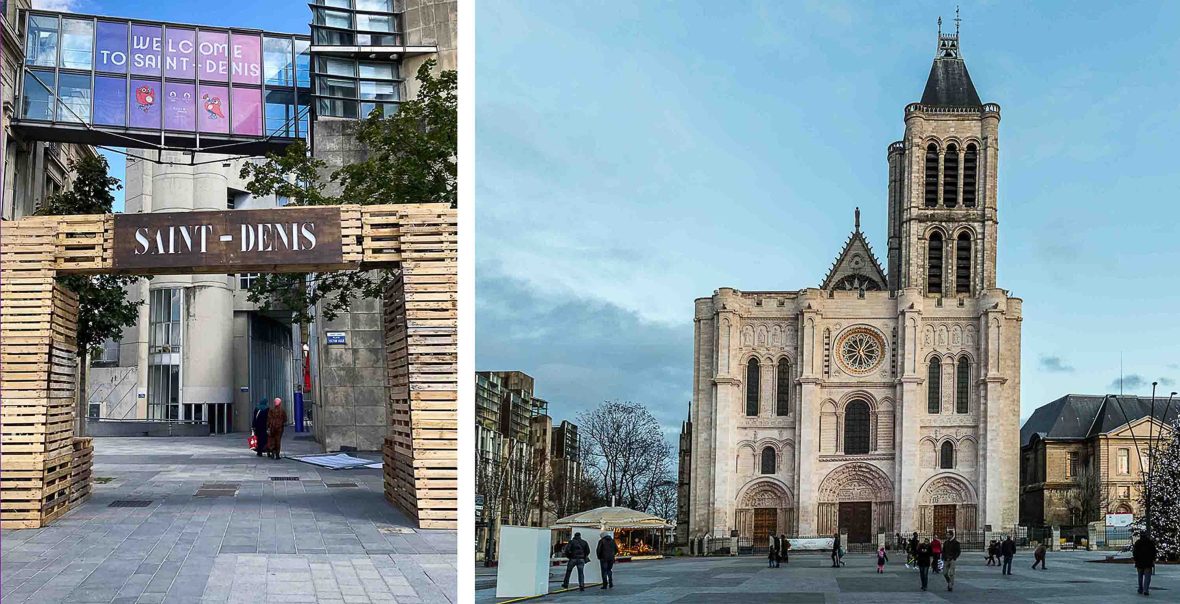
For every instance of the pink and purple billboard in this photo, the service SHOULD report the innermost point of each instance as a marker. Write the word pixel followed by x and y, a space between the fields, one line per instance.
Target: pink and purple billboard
pixel 180 79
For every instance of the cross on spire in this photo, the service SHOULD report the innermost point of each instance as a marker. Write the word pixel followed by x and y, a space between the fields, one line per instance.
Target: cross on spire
pixel 957 19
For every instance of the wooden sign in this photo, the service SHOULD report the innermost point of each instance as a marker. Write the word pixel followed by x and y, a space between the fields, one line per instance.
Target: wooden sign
pixel 228 240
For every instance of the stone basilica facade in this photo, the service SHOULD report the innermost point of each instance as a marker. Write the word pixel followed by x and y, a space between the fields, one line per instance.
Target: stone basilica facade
pixel 880 401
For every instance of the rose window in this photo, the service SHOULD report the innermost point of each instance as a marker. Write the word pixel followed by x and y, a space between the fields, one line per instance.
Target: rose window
pixel 861 351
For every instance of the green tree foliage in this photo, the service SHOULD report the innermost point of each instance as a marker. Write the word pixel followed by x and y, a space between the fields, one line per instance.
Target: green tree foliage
pixel 103 307
pixel 410 158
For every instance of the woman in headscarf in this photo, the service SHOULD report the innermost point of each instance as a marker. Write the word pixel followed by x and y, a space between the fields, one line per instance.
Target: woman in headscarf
pixel 276 419
pixel 258 424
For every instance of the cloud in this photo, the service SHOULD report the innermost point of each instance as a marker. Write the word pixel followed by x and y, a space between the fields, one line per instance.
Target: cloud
pixel 64 6
pixel 1054 364
pixel 581 351
pixel 1129 382
pixel 1166 381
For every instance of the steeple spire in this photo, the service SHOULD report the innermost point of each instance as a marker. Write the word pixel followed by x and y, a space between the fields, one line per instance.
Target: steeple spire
pixel 857 220
pixel 949 84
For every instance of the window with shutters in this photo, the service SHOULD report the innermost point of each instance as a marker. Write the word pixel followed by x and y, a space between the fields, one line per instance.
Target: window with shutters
pixel 856 428
pixel 934 264
pixel 970 170
pixel 963 264
pixel 934 386
pixel 753 375
pixel 950 176
pixel 931 190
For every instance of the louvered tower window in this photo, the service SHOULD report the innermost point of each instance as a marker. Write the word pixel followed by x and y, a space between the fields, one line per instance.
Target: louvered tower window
pixel 934 386
pixel 753 375
pixel 934 264
pixel 963 264
pixel 950 176
pixel 970 169
pixel 931 175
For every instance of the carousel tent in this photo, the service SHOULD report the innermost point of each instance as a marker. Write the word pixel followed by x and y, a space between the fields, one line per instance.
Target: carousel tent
pixel 610 518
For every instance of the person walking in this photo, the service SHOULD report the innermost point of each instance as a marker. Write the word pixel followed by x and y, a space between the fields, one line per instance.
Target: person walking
pixel 774 557
pixel 836 550
pixel 576 551
pixel 912 550
pixel 923 557
pixel 606 552
pixel 991 552
pixel 936 553
pixel 785 549
pixel 1007 550
pixel 276 420
pixel 1039 556
pixel 951 550
pixel 1145 552
pixel 258 426
pixel 881 559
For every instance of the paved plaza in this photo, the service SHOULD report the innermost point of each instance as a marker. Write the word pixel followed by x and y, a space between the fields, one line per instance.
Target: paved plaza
pixel 809 578
pixel 219 528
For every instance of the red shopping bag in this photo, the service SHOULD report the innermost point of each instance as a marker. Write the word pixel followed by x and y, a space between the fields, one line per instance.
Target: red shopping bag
pixel 253 441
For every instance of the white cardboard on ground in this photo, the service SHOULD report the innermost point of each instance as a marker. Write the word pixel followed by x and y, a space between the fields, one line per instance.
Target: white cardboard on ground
pixel 523 570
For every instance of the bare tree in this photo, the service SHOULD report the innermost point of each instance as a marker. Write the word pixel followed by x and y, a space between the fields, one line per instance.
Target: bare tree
pixel 626 454
pixel 491 481
pixel 1089 497
pixel 529 472
pixel 664 503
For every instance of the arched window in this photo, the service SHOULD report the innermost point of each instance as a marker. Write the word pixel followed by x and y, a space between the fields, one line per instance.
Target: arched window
pixel 946 456
pixel 931 175
pixel 753 382
pixel 782 387
pixel 950 176
pixel 934 264
pixel 962 389
pixel 963 263
pixel 970 168
pixel 768 460
pixel 934 386
pixel 856 428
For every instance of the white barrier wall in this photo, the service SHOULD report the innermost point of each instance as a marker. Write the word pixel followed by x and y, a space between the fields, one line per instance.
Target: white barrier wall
pixel 523 569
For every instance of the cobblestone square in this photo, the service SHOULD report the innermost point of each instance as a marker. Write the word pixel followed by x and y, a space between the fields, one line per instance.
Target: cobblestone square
pixel 219 529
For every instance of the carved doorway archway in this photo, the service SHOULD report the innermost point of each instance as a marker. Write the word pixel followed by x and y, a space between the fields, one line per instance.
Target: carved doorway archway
pixel 764 507
pixel 947 501
pixel 861 484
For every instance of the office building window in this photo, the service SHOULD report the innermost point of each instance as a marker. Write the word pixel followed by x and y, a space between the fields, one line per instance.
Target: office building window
pixel 37 97
pixel 246 280
pixel 164 348
pixel 1124 461
pixel 77 43
pixel 1071 467
pixel 41 41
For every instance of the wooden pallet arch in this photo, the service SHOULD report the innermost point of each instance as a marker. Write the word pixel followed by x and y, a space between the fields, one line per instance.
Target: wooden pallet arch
pixel 45 467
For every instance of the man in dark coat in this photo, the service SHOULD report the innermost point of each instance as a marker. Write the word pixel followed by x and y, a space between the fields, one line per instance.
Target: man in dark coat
pixel 784 549
pixel 276 419
pixel 836 550
pixel 1145 552
pixel 577 551
pixel 924 557
pixel 951 550
pixel 606 552
pixel 258 424
pixel 1007 550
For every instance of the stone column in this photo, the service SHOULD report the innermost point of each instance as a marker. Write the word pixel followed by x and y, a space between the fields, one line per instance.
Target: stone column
pixel 909 410
pixel 807 447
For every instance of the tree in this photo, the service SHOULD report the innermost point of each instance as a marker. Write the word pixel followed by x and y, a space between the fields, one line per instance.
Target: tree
pixel 491 481
pixel 1090 496
pixel 103 307
pixel 626 454
pixel 528 474
pixel 411 157
pixel 1160 491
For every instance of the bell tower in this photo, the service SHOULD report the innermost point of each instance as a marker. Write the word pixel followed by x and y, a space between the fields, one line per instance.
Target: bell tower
pixel 942 184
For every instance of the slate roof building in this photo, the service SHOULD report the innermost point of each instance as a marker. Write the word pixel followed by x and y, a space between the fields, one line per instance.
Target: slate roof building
pixel 886 399
pixel 1079 458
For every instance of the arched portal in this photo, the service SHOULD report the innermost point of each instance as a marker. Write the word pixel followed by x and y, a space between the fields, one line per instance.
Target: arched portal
pixel 856 497
pixel 946 502
pixel 764 507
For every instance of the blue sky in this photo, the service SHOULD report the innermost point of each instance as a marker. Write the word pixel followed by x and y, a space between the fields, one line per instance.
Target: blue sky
pixel 284 16
pixel 634 156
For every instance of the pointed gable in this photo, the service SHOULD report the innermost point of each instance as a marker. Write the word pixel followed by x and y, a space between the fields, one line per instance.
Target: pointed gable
pixel 856 267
